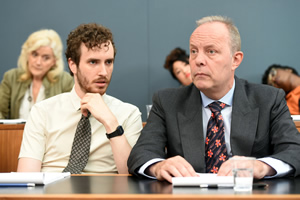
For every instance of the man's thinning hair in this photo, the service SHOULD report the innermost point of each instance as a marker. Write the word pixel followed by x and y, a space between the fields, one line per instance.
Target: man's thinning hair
pixel 91 35
pixel 234 33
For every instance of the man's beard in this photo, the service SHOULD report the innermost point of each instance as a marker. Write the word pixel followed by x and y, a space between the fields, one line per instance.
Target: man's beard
pixel 84 84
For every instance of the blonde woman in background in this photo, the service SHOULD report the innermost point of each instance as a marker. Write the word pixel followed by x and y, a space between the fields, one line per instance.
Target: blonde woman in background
pixel 40 75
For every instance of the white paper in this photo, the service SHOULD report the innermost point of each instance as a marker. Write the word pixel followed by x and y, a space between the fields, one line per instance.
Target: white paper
pixel 32 177
pixel 296 117
pixel 12 121
pixel 204 179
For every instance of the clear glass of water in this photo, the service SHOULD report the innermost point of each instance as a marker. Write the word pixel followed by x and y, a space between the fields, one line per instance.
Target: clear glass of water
pixel 242 170
pixel 148 107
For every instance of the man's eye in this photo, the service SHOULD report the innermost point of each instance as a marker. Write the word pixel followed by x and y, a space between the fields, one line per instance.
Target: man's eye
pixel 212 51
pixel 109 62
pixel 193 51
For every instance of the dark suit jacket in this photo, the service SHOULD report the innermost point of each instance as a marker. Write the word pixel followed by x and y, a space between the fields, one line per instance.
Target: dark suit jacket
pixel 261 126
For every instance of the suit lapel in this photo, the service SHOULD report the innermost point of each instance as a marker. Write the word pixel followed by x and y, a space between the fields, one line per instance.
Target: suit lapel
pixel 243 123
pixel 243 126
pixel 191 130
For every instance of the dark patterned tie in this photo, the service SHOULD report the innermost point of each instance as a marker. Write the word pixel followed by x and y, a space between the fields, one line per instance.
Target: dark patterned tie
pixel 215 146
pixel 81 146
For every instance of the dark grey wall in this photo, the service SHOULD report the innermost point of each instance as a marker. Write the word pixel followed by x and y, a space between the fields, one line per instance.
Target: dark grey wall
pixel 146 30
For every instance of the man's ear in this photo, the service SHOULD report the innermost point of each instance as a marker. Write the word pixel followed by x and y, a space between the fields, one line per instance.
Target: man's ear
pixel 72 65
pixel 237 59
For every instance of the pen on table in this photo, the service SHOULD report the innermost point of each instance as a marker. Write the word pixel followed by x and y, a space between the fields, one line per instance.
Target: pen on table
pixel 209 185
pixel 216 186
pixel 17 184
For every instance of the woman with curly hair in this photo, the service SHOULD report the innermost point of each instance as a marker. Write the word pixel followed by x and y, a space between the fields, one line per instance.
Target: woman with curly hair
pixel 177 62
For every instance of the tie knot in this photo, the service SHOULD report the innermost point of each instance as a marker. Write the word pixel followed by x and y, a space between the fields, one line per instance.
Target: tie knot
pixel 88 115
pixel 216 106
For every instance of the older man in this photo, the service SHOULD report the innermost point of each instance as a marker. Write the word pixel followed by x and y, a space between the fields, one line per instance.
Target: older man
pixel 198 127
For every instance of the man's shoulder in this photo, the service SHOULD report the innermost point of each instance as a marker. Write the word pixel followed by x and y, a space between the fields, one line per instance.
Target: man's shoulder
pixel 59 99
pixel 255 87
pixel 176 91
pixel 176 95
pixel 258 94
pixel 115 102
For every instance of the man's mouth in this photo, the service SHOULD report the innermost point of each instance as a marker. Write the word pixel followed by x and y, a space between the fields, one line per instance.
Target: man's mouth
pixel 101 83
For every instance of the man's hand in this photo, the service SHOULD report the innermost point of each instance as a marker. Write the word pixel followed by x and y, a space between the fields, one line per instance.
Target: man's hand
pixel 261 169
pixel 171 167
pixel 100 111
pixel 97 107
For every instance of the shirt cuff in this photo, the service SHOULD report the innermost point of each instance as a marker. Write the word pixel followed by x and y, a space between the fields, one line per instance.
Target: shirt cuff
pixel 281 168
pixel 146 165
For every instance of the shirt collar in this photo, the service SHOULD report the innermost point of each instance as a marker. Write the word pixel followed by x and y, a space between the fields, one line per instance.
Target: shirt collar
pixel 227 99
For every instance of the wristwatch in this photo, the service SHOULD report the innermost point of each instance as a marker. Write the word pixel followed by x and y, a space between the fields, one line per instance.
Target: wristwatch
pixel 118 132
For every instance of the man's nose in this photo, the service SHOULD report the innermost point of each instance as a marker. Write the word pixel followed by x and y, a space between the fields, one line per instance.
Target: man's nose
pixel 102 70
pixel 200 59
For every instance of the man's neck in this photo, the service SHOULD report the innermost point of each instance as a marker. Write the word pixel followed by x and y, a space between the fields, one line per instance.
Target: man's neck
pixel 218 93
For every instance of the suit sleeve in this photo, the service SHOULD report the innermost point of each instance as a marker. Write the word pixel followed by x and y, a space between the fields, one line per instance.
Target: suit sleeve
pixel 5 95
pixel 152 141
pixel 285 138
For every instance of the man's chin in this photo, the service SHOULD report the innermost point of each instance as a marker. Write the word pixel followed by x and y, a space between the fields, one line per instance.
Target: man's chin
pixel 98 90
pixel 201 85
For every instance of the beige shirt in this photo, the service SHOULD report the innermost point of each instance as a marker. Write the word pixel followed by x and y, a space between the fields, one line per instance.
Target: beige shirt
pixel 27 101
pixel 50 129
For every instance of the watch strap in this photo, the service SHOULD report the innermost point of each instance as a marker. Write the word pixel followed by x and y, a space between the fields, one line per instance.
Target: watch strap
pixel 118 132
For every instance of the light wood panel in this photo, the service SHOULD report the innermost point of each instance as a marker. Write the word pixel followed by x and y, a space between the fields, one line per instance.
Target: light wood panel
pixel 10 142
pixel 297 123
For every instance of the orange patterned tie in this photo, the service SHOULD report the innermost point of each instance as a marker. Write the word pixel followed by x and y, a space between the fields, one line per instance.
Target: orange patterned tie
pixel 215 146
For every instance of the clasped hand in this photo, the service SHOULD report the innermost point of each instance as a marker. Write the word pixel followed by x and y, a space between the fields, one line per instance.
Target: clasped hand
pixel 100 111
pixel 178 167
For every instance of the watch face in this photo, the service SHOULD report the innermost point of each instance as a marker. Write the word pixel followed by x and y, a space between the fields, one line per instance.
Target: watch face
pixel 120 130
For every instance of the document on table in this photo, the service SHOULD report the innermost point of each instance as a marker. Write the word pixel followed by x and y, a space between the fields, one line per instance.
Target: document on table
pixel 40 178
pixel 204 180
pixel 12 121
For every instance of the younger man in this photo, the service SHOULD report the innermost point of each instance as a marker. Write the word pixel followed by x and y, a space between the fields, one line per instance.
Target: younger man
pixel 50 130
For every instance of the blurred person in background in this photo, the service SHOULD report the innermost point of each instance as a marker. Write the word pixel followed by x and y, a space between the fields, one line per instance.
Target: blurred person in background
pixel 40 74
pixel 286 78
pixel 177 62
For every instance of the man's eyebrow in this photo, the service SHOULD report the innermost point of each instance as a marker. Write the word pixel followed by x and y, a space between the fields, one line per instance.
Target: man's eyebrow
pixel 210 46
pixel 93 59
pixel 111 59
